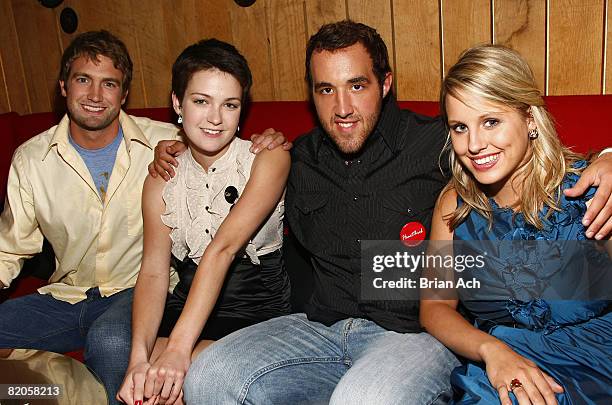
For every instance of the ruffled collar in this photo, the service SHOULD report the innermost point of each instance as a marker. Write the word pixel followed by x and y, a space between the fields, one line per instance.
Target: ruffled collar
pixel 511 225
pixel 226 162
pixel 196 177
pixel 196 210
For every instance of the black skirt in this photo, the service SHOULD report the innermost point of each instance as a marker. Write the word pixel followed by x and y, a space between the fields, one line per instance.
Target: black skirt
pixel 250 294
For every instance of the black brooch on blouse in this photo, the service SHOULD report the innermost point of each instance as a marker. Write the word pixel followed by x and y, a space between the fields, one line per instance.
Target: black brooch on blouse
pixel 231 195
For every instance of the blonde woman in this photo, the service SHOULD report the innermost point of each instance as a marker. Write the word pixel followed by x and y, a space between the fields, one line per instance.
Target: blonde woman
pixel 508 170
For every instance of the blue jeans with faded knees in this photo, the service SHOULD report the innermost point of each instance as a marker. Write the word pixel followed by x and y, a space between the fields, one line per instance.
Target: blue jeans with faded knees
pixel 102 325
pixel 291 360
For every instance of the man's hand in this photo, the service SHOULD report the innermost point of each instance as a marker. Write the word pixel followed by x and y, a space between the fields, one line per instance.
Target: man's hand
pixel 164 160
pixel 599 213
pixel 165 152
pixel 271 139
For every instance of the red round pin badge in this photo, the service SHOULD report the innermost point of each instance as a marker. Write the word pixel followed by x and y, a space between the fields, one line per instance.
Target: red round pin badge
pixel 412 234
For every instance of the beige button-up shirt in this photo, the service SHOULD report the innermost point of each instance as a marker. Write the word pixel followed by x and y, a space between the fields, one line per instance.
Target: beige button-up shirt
pixel 51 192
pixel 196 204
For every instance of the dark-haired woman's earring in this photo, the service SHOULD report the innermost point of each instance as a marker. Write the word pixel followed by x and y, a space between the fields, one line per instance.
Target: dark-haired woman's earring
pixel 533 134
pixel 180 119
pixel 238 128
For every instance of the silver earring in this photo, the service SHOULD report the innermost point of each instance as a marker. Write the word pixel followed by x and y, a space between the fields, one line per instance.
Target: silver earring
pixel 533 134
pixel 180 119
pixel 238 129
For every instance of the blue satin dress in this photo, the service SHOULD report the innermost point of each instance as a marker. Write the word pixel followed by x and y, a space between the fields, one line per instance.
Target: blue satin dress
pixel 571 340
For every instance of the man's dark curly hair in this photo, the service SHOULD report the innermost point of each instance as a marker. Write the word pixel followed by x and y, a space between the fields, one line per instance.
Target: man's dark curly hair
pixel 342 34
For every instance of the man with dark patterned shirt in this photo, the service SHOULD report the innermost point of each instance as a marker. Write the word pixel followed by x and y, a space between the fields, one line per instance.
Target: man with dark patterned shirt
pixel 370 169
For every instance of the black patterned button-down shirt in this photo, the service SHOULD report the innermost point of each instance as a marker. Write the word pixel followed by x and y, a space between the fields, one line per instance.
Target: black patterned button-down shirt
pixel 332 204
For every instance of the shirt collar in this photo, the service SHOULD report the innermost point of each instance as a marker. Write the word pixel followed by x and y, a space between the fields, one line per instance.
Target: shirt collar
pixel 225 162
pixel 390 123
pixel 388 127
pixel 131 132
pixel 60 135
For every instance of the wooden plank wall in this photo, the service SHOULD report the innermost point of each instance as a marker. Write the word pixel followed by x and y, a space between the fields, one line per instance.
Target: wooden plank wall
pixel 568 43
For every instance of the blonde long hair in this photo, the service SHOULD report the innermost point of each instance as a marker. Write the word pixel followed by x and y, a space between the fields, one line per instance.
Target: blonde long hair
pixel 501 76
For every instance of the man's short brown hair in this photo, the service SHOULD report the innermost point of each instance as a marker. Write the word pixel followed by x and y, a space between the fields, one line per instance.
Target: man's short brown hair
pixel 342 34
pixel 91 45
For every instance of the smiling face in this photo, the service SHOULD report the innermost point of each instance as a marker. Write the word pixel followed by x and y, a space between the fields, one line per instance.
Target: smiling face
pixel 94 97
pixel 347 95
pixel 211 112
pixel 490 140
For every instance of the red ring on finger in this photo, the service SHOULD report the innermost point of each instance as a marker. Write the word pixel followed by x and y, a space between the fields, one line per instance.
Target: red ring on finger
pixel 515 383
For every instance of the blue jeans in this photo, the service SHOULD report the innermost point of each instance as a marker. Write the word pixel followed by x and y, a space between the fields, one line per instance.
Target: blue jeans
pixel 291 360
pixel 102 325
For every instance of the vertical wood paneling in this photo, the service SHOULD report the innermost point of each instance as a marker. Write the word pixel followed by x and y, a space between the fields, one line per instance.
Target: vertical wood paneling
pixel 211 19
pixel 7 14
pixel 14 91
pixel 6 21
pixel 5 105
pixel 272 35
pixel 40 51
pixel 575 46
pixel 378 15
pixel 182 24
pixel 319 12
pixel 521 25
pixel 156 47
pixel 417 49
pixel 465 23
pixel 608 89
pixel 64 38
pixel 250 36
pixel 287 43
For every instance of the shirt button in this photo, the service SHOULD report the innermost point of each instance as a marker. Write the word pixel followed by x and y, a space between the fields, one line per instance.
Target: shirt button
pixel 206 231
pixel 213 169
pixel 358 240
pixel 346 163
pixel 355 198
pixel 207 185
pixel 359 161
pixel 207 208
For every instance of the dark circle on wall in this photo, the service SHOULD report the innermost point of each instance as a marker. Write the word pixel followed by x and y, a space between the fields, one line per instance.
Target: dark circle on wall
pixel 69 20
pixel 50 3
pixel 244 3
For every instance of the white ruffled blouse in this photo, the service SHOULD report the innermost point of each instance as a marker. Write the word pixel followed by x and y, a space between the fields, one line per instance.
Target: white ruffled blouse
pixel 196 204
